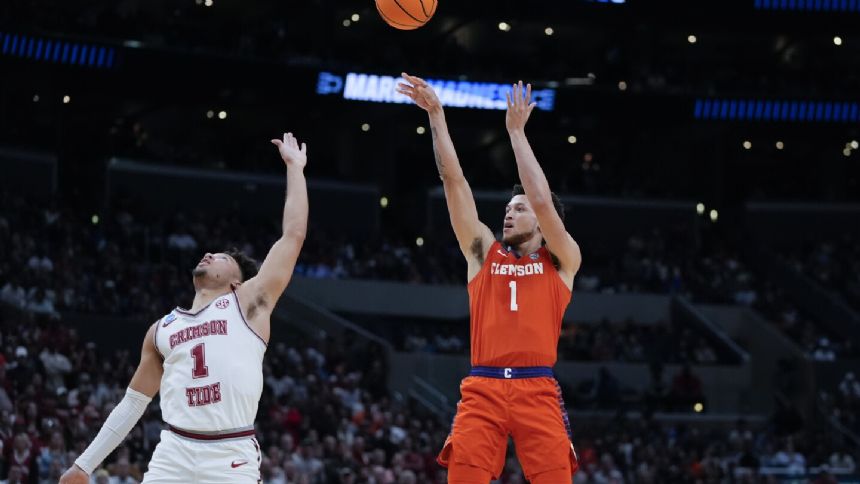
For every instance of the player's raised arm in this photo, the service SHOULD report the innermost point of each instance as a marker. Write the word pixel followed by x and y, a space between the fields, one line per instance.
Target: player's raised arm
pixel 264 289
pixel 535 184
pixel 143 386
pixel 473 236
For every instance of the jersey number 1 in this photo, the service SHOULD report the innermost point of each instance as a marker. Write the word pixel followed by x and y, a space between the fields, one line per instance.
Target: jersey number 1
pixel 513 286
pixel 200 369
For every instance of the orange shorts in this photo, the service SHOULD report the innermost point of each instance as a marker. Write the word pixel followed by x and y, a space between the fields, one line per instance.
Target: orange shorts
pixel 530 410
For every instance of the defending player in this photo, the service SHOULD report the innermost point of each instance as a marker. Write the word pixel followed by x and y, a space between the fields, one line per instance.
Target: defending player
pixel 207 362
pixel 518 291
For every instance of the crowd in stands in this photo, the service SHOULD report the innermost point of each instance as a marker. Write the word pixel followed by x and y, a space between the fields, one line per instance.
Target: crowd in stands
pixel 648 262
pixel 835 264
pixel 327 255
pixel 819 343
pixel 642 451
pixel 680 392
pixel 442 340
pixel 636 343
pixel 670 263
pixel 326 416
pixel 843 402
pixel 603 341
pixel 59 260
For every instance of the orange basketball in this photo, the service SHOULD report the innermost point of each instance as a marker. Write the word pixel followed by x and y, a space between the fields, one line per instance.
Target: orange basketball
pixel 406 14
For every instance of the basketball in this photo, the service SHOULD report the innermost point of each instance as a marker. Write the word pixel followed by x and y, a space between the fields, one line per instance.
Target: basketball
pixel 406 14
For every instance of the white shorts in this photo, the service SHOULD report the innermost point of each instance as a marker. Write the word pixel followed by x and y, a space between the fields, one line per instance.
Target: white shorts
pixel 180 460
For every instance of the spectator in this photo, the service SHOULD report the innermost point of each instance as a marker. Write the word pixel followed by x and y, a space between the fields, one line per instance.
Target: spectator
pixel 122 472
pixel 842 462
pixel 17 475
pixel 849 387
pixel 56 366
pixel 687 389
pixel 823 351
pixel 793 461
pixel 22 458
pixel 52 460
pixel 101 476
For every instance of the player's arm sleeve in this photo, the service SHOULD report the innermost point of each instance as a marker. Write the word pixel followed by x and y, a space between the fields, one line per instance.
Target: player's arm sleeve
pixel 143 386
pixel 118 424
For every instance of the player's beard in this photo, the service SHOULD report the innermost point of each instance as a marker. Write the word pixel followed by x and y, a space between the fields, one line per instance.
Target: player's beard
pixel 515 240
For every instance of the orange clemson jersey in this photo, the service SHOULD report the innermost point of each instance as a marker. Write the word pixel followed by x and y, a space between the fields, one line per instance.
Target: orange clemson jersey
pixel 516 306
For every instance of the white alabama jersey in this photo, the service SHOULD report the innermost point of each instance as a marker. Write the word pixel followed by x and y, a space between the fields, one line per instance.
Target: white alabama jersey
pixel 213 367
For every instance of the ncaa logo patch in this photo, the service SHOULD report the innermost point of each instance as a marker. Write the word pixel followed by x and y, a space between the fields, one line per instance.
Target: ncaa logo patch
pixel 168 319
pixel 222 303
pixel 534 256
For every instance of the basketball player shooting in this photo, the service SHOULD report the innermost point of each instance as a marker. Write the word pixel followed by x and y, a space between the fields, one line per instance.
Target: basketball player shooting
pixel 207 361
pixel 518 291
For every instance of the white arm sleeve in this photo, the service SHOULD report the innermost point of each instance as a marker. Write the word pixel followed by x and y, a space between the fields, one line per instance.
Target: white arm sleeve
pixel 118 424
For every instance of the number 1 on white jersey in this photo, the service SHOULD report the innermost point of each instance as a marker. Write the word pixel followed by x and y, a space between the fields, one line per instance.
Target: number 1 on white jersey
pixel 513 286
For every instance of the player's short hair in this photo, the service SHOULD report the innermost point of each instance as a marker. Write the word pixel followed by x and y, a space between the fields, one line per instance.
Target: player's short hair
pixel 247 266
pixel 556 202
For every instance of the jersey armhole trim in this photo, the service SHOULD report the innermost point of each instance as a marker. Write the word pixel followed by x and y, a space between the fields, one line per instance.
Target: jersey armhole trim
pixel 549 256
pixel 485 263
pixel 242 315
pixel 155 338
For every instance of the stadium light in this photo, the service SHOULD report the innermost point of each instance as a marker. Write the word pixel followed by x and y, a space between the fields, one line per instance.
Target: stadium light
pixel 700 208
pixel 355 17
pixel 419 241
pixel 571 139
pixel 548 31
pixel 504 26
pixel 383 202
pixel 365 127
pixel 714 215
pixel 747 145
pixel 837 40
pixel 780 145
pixel 691 39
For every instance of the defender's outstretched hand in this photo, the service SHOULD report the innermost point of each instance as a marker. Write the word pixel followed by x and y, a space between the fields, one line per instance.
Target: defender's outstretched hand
pixel 75 475
pixel 290 151
pixel 519 107
pixel 419 91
